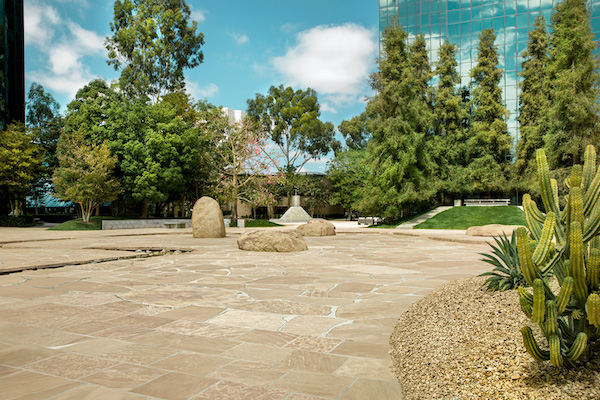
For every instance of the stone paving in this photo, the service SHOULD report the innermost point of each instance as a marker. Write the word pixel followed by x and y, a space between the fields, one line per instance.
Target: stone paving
pixel 215 322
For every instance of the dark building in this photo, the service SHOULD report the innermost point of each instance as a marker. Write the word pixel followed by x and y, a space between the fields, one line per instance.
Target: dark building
pixel 12 59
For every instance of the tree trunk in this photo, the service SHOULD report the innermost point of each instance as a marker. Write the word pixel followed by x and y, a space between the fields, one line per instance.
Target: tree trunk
pixel 144 213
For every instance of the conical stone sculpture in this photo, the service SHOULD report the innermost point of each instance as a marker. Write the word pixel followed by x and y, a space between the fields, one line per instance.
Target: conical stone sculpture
pixel 295 213
pixel 207 219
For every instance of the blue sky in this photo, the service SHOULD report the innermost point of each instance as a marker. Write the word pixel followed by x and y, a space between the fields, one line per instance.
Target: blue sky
pixel 328 45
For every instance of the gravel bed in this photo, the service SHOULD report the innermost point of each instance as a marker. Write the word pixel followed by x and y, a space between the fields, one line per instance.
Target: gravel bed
pixel 462 342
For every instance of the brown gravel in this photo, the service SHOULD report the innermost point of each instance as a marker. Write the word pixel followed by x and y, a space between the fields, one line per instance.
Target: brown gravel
pixel 462 342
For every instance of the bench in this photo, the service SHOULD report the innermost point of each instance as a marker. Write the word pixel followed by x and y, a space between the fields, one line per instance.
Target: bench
pixel 368 220
pixel 487 202
pixel 174 225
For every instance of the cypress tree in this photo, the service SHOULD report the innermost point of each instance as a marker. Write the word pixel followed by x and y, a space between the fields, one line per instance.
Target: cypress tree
pixel 489 142
pixel 572 85
pixel 533 102
pixel 448 146
pixel 397 151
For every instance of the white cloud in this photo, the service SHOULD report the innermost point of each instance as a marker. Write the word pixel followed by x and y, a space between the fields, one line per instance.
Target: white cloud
pixel 201 92
pixel 39 20
pixel 333 60
pixel 198 15
pixel 240 39
pixel 313 165
pixel 64 43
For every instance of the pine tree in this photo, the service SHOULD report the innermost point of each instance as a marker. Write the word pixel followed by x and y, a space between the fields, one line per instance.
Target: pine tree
pixel 397 151
pixel 489 142
pixel 448 146
pixel 572 85
pixel 533 103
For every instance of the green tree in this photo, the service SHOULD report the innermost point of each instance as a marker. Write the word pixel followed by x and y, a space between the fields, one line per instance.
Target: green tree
pixel 291 118
pixel 85 174
pixel 356 131
pixel 242 161
pixel 572 85
pixel 421 68
pixel 153 41
pixel 44 118
pixel 399 164
pixel 533 103
pixel 348 173
pixel 489 142
pixel 448 145
pixel 21 164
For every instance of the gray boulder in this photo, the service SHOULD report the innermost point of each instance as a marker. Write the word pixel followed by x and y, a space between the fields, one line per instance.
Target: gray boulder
pixel 268 240
pixel 207 219
pixel 317 227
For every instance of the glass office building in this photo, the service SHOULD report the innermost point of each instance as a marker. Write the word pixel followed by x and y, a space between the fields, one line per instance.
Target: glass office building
pixel 12 62
pixel 461 21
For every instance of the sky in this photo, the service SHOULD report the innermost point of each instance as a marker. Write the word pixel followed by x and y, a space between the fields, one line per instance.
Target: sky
pixel 327 45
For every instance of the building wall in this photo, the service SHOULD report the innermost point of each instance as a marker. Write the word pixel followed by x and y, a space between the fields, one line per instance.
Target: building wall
pixel 461 21
pixel 12 45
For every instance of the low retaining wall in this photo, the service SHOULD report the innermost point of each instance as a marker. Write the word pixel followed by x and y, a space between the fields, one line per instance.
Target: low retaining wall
pixel 145 223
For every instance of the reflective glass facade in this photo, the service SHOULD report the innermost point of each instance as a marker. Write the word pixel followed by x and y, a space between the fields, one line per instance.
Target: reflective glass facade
pixel 461 21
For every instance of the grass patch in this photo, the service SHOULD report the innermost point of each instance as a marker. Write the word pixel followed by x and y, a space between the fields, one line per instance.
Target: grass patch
pixel 398 221
pixel 465 217
pixel 256 223
pixel 95 224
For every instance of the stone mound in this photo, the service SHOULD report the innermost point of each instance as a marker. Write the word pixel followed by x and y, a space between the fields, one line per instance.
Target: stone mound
pixel 207 219
pixel 268 240
pixel 317 227
pixel 491 230
pixel 295 214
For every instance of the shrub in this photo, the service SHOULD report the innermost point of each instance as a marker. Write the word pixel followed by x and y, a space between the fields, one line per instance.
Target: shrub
pixel 566 241
pixel 507 273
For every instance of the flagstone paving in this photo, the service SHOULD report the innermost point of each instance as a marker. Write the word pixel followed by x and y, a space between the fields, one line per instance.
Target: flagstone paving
pixel 211 322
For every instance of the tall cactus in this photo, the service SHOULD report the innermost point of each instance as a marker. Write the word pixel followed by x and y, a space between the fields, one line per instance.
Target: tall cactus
pixel 567 242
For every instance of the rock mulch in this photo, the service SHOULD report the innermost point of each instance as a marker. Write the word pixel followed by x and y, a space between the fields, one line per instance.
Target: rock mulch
pixel 462 342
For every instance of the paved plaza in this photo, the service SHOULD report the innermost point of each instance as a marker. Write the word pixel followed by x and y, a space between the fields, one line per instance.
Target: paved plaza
pixel 157 314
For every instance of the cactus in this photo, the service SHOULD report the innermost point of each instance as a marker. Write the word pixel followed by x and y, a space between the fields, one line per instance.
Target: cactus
pixel 566 241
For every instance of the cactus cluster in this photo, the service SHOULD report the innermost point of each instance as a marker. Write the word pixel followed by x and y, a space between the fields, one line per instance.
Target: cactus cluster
pixel 565 242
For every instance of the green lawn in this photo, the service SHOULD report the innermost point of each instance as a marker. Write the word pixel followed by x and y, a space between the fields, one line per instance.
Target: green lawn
pixel 256 223
pixel 465 217
pixel 95 224
pixel 396 222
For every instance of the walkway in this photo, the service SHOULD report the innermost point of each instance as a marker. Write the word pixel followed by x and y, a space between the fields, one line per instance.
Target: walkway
pixel 410 224
pixel 209 321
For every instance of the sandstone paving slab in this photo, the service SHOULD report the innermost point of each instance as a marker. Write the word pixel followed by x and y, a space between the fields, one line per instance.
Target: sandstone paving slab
pixel 192 363
pixel 175 386
pixel 225 390
pixel 219 320
pixel 94 392
pixel 260 353
pixel 302 360
pixel 373 389
pixel 322 385
pixel 124 376
pixel 34 385
pixel 72 366
pixel 249 373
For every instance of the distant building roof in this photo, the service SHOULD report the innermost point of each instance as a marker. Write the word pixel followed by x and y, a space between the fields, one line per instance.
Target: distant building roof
pixel 49 201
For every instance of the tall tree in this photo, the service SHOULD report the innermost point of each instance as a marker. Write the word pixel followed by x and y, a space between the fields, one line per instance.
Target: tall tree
pixel 448 145
pixel 572 85
pixel 44 118
pixel 533 101
pixel 398 159
pixel 348 173
pixel 421 68
pixel 489 142
pixel 291 118
pixel 21 164
pixel 153 41
pixel 356 131
pixel 85 174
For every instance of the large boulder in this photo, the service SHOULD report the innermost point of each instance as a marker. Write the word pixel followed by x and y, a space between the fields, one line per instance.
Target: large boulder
pixel 491 230
pixel 317 227
pixel 269 240
pixel 207 219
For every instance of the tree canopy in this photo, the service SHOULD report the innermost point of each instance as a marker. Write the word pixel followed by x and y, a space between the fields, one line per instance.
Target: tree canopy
pixel 153 41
